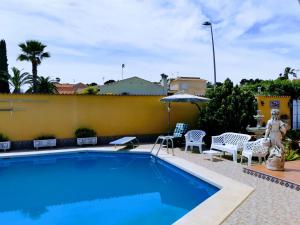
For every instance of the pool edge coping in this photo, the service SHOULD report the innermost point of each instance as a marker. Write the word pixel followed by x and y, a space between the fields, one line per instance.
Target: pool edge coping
pixel 213 210
pixel 219 206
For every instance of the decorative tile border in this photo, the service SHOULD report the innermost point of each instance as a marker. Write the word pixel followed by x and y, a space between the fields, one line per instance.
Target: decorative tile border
pixel 272 179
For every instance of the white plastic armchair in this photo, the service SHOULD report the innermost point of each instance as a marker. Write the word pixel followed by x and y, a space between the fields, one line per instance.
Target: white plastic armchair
pixel 194 138
pixel 254 148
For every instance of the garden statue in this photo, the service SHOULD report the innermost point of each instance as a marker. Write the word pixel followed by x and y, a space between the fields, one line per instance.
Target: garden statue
pixel 273 137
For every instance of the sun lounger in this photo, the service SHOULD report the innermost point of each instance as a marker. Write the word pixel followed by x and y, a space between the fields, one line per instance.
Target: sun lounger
pixel 125 141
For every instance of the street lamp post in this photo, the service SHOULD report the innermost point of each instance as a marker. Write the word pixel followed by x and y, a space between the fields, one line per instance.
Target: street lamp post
pixel 123 66
pixel 213 48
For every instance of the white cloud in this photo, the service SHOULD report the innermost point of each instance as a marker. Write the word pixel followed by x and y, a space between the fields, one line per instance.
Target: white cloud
pixel 91 39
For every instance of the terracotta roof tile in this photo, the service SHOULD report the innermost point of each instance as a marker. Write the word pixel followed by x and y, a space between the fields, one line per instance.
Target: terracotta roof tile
pixel 66 88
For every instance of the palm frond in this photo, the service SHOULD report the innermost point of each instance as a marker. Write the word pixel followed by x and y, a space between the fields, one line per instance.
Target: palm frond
pixel 45 85
pixel 22 46
pixel 23 57
pixel 17 79
pixel 45 55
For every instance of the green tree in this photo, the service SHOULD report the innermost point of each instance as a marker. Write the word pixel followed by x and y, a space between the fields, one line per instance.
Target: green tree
pixel 4 85
pixel 109 81
pixel 17 79
pixel 91 90
pixel 275 87
pixel 44 85
pixel 230 109
pixel 92 84
pixel 250 81
pixel 34 52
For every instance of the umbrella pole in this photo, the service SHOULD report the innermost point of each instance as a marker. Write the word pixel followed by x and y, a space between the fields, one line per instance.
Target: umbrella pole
pixel 196 105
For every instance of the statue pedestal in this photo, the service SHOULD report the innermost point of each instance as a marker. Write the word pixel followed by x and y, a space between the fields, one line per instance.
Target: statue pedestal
pixel 258 131
pixel 275 163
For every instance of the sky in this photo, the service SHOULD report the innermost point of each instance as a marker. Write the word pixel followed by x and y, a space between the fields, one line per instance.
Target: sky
pixel 90 40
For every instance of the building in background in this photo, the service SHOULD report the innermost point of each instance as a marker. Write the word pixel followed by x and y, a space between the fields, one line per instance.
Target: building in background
pixel 283 103
pixel 132 86
pixel 190 85
pixel 70 89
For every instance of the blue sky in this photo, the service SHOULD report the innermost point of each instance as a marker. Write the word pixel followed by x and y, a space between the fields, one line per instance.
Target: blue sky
pixel 89 40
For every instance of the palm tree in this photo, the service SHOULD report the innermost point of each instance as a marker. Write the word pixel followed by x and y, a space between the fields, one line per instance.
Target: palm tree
pixel 44 85
pixel 17 79
pixel 33 51
pixel 288 71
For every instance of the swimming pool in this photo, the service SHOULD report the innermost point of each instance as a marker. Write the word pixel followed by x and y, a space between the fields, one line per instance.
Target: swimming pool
pixel 96 188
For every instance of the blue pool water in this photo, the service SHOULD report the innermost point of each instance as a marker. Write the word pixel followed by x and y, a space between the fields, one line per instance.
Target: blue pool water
pixel 96 188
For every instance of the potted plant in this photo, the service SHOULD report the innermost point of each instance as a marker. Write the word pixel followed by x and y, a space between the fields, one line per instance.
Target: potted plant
pixel 4 142
pixel 86 136
pixel 44 141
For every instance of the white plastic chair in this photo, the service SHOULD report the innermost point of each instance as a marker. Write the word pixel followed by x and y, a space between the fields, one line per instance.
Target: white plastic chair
pixel 254 148
pixel 194 138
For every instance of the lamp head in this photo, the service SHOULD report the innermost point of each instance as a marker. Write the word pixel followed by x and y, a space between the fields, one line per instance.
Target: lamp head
pixel 207 23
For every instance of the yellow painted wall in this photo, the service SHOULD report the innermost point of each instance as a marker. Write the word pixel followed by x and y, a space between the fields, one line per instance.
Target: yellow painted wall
pixel 263 103
pixel 61 115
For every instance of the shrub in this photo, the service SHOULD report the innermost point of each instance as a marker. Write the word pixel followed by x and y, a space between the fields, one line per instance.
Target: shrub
pixel 92 90
pixel 45 137
pixel 275 87
pixel 292 147
pixel 292 155
pixel 230 109
pixel 3 138
pixel 84 133
pixel 293 134
pixel 292 139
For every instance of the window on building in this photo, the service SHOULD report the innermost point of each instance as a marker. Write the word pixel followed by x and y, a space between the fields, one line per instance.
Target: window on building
pixel 296 114
pixel 183 86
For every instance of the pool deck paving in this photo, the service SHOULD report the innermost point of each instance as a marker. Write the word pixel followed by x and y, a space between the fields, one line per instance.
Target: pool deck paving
pixel 269 203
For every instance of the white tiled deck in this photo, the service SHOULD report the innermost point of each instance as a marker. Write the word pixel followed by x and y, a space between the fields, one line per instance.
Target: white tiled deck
pixel 269 204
